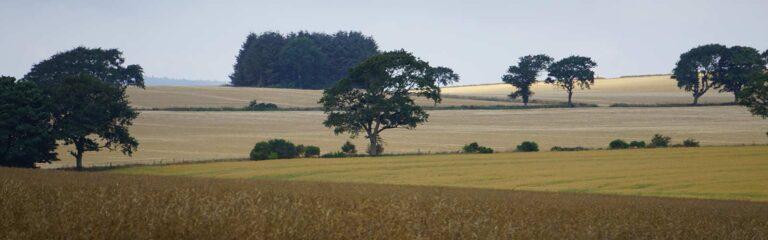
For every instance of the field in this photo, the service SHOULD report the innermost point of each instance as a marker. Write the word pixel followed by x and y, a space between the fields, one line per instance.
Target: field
pixel 708 172
pixel 39 204
pixel 176 136
pixel 629 90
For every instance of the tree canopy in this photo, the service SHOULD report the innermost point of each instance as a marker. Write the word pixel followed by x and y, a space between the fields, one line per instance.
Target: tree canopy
pixel 104 64
pixel 524 75
pixel 572 72
pixel 299 60
pixel 92 115
pixel 699 69
pixel 26 136
pixel 739 65
pixel 377 95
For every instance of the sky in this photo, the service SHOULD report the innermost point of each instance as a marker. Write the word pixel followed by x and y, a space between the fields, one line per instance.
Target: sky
pixel 477 39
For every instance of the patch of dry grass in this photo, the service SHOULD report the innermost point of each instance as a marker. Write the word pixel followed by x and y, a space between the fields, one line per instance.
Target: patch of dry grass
pixel 38 204
pixel 168 136
pixel 630 90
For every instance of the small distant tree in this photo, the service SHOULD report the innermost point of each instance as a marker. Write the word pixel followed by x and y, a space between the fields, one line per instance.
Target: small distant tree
pixel 690 142
pixel 572 72
pixel 618 144
pixel 274 149
pixel 528 146
pixel 699 69
pixel 377 95
pixel 348 148
pixel 26 136
pixel 659 140
pixel 524 75
pixel 739 65
pixel 92 115
pixel 312 151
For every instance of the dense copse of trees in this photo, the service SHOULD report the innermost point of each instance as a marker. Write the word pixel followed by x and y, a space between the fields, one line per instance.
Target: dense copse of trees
pixel 299 60
pixel 378 95
pixel 715 66
pixel 76 97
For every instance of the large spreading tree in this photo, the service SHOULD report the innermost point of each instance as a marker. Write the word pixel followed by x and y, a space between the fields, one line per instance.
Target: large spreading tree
pixel 524 75
pixel 739 65
pixel 754 95
pixel 378 95
pixel 572 72
pixel 299 60
pixel 26 136
pixel 91 115
pixel 87 87
pixel 700 69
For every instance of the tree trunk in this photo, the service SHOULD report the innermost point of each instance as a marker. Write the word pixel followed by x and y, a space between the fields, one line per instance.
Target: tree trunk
pixel 79 156
pixel 373 148
pixel 525 101
pixel 696 99
pixel 570 96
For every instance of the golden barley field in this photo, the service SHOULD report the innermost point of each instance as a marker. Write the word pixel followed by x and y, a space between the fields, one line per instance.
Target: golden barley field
pixel 630 90
pixel 46 204
pixel 706 172
pixel 174 96
pixel 176 136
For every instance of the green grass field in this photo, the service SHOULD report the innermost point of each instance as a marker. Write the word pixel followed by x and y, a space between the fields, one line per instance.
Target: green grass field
pixel 709 172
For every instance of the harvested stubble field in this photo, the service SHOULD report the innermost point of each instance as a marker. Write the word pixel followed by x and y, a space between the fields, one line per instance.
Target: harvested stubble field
pixel 168 136
pixel 630 90
pixel 169 97
pixel 40 204
pixel 736 173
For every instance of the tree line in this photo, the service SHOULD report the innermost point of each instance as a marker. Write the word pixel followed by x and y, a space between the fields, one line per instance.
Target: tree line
pixel 299 60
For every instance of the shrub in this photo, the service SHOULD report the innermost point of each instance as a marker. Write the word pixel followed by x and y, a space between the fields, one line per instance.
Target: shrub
pixel 301 149
pixel 618 144
pixel 348 148
pixel 528 146
pixel 690 143
pixel 312 151
pixel 334 155
pixel 256 106
pixel 567 149
pixel 659 140
pixel 274 149
pixel 476 148
pixel 637 144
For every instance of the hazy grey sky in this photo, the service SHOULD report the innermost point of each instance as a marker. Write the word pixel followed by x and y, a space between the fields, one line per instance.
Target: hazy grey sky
pixel 478 39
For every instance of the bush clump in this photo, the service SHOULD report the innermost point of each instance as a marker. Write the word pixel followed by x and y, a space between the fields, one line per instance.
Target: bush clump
pixel 690 143
pixel 274 149
pixel 637 144
pixel 528 146
pixel 257 106
pixel 348 148
pixel 618 144
pixel 311 151
pixel 476 148
pixel 660 141
pixel 568 149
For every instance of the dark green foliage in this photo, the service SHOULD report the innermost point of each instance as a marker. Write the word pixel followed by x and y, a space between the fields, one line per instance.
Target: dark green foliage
pixel 690 143
pixel 334 155
pixel 92 114
pixel 618 144
pixel 699 69
pixel 572 72
pixel 349 148
pixel 105 65
pixel 312 151
pixel 257 106
pixel 754 95
pixel 659 140
pixel 274 149
pixel 524 75
pixel 637 144
pixel 300 149
pixel 568 149
pixel 476 148
pixel 378 95
pixel 26 136
pixel 740 65
pixel 528 146
pixel 299 60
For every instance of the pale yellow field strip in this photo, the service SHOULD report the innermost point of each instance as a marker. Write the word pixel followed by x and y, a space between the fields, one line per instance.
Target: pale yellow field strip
pixel 167 136
pixel 707 172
